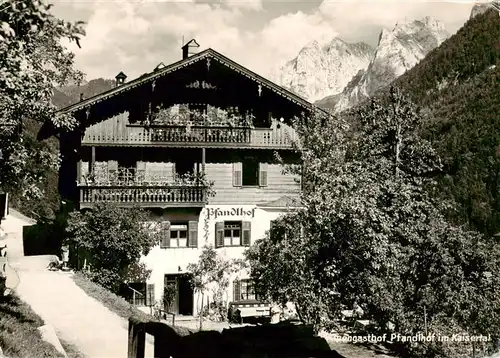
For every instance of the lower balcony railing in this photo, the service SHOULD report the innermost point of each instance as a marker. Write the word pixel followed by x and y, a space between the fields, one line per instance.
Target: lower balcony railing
pixel 153 195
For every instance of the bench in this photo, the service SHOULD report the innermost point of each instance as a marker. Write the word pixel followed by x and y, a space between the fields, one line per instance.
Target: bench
pixel 248 309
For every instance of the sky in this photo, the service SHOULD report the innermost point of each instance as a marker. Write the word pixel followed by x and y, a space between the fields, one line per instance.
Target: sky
pixel 134 36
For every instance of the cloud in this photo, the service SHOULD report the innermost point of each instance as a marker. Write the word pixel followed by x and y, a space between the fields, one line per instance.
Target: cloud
pixel 255 5
pixel 135 35
pixel 353 18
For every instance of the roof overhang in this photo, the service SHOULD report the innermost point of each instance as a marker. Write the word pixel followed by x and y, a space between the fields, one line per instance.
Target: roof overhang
pixel 47 130
pixel 209 53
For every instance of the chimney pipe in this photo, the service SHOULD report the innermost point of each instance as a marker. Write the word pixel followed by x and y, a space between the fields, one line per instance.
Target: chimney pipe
pixel 81 97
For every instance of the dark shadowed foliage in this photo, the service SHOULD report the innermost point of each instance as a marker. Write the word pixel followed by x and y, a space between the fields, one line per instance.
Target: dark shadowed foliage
pixel 282 340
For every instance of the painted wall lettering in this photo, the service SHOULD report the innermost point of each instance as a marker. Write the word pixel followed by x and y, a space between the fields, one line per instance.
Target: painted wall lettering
pixel 216 212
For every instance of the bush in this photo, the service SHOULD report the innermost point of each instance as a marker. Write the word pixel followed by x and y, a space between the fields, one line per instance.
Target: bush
pixel 114 239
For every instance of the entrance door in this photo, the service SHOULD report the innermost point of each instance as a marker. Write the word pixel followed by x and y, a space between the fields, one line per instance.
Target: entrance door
pixel 185 296
pixel 183 301
pixel 171 280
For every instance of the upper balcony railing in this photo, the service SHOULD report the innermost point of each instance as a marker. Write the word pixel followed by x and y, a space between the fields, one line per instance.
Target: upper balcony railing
pixel 194 136
pixel 117 131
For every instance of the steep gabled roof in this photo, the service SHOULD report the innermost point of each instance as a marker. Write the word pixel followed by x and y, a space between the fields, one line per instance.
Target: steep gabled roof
pixel 209 53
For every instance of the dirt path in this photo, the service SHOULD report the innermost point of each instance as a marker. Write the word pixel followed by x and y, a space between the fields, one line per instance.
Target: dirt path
pixel 76 317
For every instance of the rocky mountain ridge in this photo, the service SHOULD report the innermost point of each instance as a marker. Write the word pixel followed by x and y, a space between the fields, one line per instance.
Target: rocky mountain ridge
pixel 398 50
pixel 346 77
pixel 322 69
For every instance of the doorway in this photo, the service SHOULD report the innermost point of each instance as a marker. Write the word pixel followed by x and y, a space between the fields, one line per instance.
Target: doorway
pixel 184 298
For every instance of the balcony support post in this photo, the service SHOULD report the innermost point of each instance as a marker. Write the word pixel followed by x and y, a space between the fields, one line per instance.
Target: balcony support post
pixel 92 162
pixel 203 156
pixel 79 169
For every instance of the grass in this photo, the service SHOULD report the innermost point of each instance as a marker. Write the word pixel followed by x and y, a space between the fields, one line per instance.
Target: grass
pixel 116 303
pixel 71 350
pixel 19 336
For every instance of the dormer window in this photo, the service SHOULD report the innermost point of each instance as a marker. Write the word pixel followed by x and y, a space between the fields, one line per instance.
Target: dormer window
pixel 120 78
pixel 190 48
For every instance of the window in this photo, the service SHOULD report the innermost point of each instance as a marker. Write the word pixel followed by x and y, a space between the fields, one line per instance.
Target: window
pixel 244 290
pixel 184 166
pixel 179 235
pixel 150 294
pixel 250 173
pixel 232 233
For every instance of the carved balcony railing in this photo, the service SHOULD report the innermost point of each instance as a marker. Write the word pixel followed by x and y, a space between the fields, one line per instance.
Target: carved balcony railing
pixel 189 136
pixel 157 196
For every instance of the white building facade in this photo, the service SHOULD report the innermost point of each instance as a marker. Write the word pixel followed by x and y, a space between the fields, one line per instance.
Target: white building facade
pixel 230 229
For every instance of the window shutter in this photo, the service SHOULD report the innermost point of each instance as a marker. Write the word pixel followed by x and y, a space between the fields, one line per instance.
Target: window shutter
pixel 246 227
pixel 237 174
pixel 193 234
pixel 219 234
pixel 174 173
pixel 165 234
pixel 150 294
pixel 141 171
pixel 263 174
pixel 112 165
pixel 141 165
pixel 236 290
pixel 112 169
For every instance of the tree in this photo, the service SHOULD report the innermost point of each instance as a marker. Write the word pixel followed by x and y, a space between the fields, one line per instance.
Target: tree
pixel 33 61
pixel 373 233
pixel 115 238
pixel 211 274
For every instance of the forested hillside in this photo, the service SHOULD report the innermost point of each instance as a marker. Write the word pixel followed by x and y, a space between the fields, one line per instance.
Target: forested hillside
pixel 63 97
pixel 71 94
pixel 458 87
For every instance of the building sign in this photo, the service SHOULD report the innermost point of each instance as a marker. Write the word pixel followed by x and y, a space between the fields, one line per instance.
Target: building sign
pixel 216 212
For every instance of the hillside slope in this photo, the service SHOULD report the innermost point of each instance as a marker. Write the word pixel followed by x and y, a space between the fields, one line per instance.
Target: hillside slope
pixel 458 87
pixel 63 97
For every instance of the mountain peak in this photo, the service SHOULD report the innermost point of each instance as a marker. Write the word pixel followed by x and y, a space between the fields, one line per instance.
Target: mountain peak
pixel 427 24
pixel 312 44
pixel 478 9
pixel 397 51
pixel 323 68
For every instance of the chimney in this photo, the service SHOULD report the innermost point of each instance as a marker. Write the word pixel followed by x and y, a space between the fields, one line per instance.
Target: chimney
pixel 190 48
pixel 81 97
pixel 120 79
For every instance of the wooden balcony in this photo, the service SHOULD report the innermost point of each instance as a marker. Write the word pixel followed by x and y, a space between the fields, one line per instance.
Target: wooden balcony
pixel 147 196
pixel 103 134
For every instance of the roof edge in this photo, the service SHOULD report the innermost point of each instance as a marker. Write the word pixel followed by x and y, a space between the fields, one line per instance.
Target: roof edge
pixel 155 74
